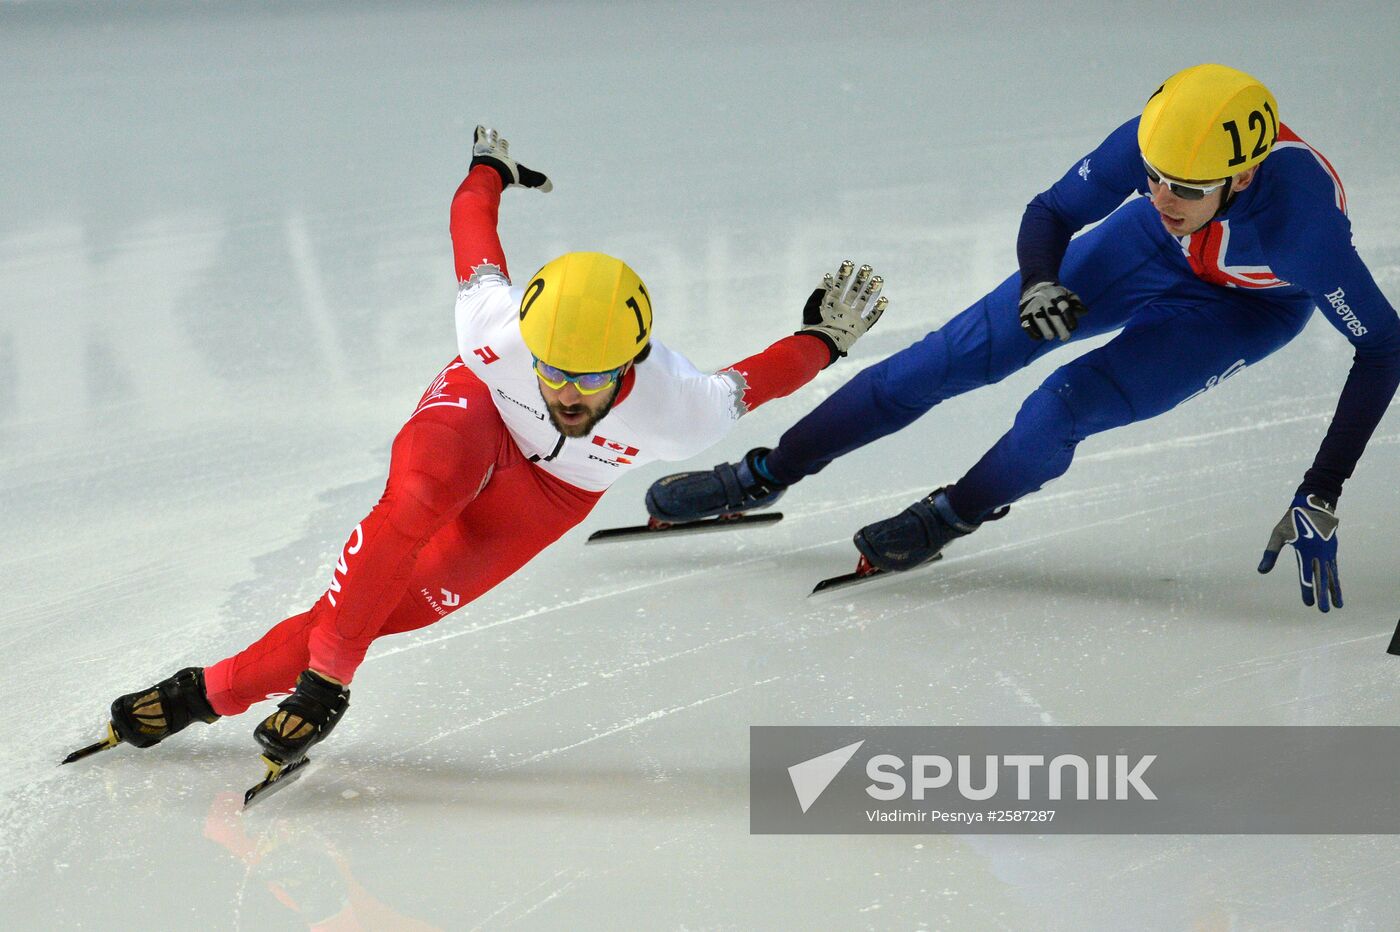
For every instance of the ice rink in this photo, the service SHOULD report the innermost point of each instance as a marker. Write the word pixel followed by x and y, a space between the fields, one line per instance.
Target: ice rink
pixel 225 279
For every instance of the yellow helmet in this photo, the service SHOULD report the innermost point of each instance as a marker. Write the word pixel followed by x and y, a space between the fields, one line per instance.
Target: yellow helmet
pixel 1207 123
pixel 585 312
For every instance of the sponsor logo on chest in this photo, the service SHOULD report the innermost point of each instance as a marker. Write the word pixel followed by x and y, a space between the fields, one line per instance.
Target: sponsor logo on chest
pixel 538 415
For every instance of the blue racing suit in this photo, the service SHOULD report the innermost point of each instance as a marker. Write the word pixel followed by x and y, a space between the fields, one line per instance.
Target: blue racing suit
pixel 1193 310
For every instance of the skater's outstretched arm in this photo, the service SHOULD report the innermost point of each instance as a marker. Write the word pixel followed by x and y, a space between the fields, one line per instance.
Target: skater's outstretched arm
pixel 847 304
pixel 475 208
pixel 476 205
pixel 1311 245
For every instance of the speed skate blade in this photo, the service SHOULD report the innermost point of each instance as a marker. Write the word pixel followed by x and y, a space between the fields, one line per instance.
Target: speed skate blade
pixel 277 777
pixel 654 528
pixel 107 743
pixel 864 573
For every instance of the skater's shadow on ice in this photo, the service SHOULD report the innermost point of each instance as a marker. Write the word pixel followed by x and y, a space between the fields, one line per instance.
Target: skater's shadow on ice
pixel 349 777
pixel 597 791
pixel 1203 594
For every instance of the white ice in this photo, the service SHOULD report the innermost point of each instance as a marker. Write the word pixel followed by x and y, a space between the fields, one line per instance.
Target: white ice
pixel 225 277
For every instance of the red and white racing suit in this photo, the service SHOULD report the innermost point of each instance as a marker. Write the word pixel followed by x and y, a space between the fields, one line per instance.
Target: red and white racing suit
pixel 479 479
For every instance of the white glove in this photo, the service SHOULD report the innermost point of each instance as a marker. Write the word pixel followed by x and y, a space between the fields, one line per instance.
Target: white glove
pixel 1050 311
pixel 489 148
pixel 844 307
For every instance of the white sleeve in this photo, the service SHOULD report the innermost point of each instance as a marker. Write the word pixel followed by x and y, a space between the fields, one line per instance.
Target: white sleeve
pixel 701 407
pixel 484 303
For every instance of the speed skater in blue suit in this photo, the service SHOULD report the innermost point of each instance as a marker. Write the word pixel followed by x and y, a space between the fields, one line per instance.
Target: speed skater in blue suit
pixel 1241 234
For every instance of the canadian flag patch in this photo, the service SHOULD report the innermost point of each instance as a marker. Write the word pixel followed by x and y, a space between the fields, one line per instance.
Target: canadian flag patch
pixel 612 445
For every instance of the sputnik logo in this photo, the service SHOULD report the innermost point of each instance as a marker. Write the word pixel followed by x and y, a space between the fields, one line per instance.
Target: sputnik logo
pixel 811 777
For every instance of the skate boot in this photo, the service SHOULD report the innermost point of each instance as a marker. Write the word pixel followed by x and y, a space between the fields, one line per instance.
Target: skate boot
pixel 915 535
pixel 149 716
pixel 728 489
pixel 302 719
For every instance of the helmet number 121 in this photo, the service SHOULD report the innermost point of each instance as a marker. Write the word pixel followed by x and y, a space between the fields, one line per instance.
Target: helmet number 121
pixel 1256 121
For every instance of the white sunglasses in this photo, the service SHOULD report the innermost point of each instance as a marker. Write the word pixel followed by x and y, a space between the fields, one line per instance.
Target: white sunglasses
pixel 1182 189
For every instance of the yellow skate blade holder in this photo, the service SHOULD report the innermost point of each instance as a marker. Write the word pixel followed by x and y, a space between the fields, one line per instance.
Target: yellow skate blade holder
pixel 109 741
pixel 278 776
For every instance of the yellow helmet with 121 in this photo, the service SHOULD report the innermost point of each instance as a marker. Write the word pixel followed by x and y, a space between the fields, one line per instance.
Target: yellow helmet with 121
pixel 1207 123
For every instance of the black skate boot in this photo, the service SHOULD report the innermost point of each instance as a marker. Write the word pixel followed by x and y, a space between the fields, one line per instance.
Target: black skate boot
pixel 301 720
pixel 728 489
pixel 149 716
pixel 917 534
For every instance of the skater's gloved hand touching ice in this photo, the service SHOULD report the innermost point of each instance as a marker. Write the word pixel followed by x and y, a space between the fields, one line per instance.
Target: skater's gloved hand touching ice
pixel 489 148
pixel 1310 525
pixel 1050 311
pixel 845 306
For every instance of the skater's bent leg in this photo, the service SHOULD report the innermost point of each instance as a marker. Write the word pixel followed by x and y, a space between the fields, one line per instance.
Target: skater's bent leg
pixel 1160 360
pixel 856 414
pixel 1117 268
pixel 442 458
pixel 521 512
pixel 1076 401
pixel 267 667
pixel 437 468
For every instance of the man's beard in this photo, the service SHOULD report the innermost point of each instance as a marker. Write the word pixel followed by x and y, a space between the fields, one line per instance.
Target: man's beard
pixel 584 428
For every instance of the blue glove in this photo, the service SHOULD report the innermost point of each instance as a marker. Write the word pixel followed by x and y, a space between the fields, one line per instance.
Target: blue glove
pixel 1310 525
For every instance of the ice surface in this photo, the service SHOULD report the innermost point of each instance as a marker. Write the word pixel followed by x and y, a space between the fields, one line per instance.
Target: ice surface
pixel 225 278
